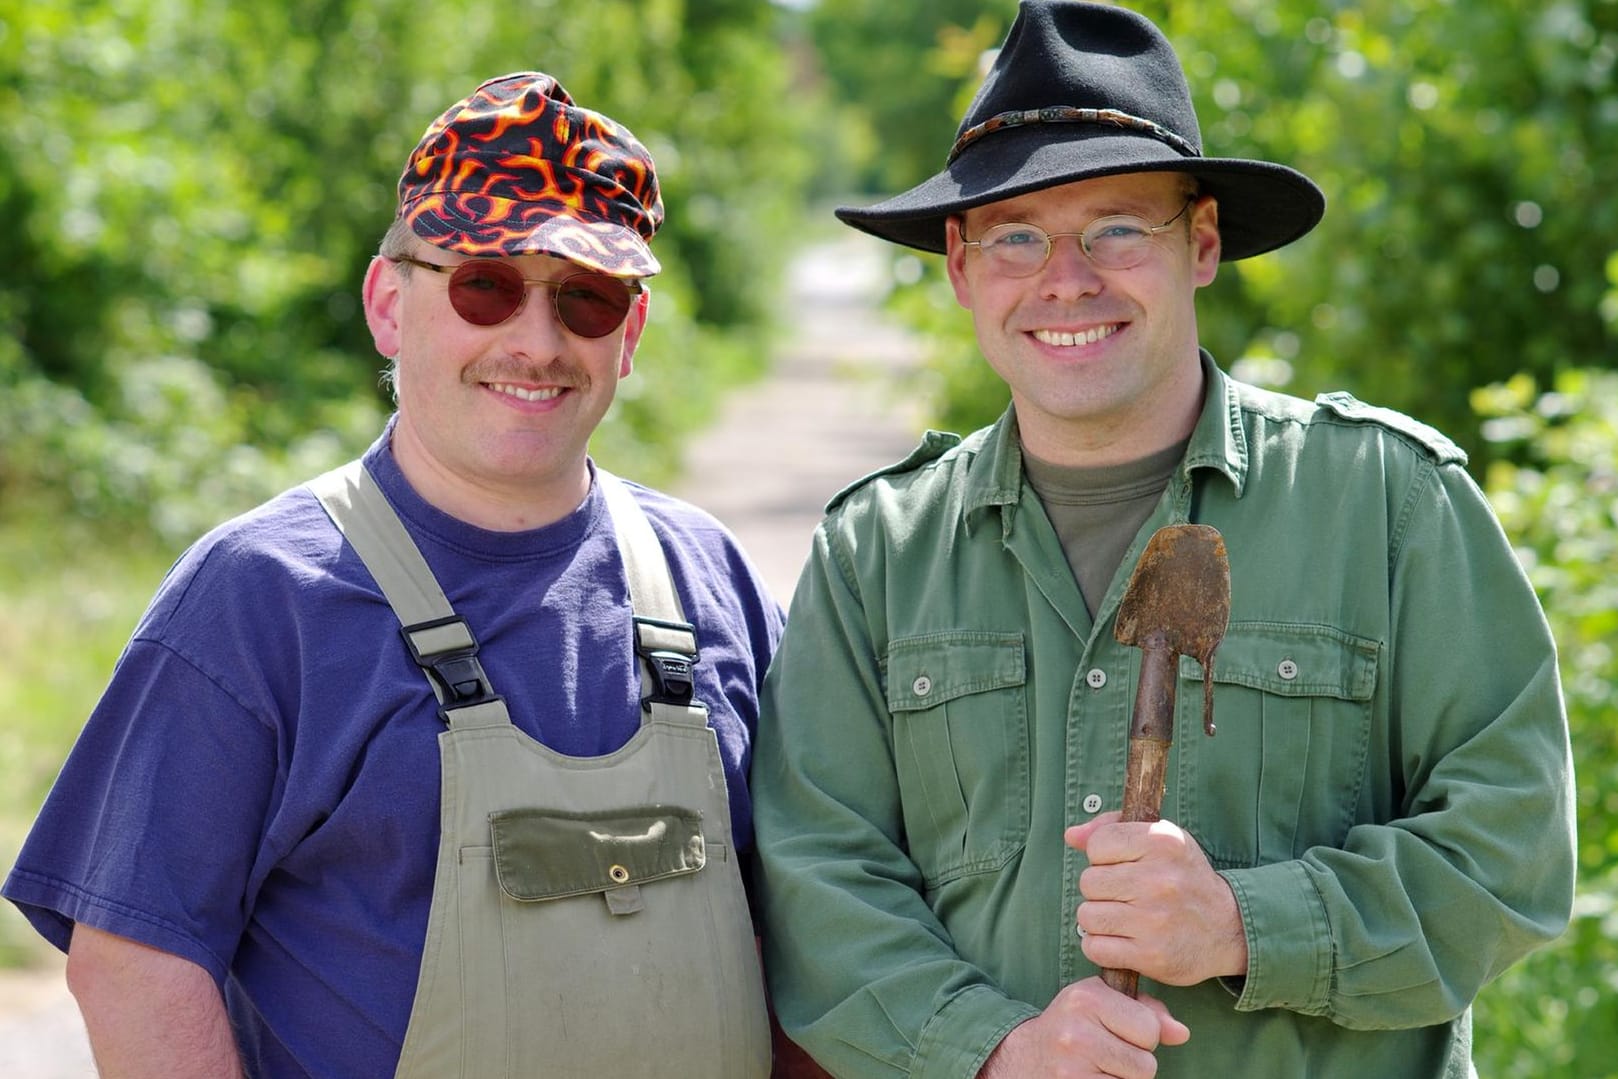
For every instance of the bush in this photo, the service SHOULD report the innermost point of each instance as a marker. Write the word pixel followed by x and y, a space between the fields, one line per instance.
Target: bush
pixel 1555 488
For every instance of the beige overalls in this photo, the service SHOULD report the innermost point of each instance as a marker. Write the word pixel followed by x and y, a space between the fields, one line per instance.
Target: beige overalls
pixel 588 917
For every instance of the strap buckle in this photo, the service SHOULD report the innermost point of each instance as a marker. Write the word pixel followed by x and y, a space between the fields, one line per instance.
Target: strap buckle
pixel 446 649
pixel 669 650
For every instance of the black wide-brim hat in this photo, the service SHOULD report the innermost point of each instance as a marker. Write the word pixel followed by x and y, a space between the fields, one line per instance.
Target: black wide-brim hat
pixel 1084 90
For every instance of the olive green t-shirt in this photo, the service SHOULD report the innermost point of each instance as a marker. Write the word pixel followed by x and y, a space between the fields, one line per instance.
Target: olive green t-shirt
pixel 1098 511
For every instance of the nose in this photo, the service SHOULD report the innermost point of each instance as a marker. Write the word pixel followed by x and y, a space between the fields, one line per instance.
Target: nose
pixel 534 331
pixel 1068 272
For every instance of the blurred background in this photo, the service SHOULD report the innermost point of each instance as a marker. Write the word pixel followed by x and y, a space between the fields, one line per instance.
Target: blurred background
pixel 190 191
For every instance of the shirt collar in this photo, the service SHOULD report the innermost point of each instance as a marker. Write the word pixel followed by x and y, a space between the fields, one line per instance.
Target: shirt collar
pixel 1218 442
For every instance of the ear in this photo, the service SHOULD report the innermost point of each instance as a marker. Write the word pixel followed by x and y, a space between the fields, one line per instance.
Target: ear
pixel 1205 243
pixel 382 299
pixel 634 326
pixel 955 260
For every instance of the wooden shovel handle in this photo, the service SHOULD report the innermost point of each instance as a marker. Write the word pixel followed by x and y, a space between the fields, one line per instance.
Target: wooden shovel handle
pixel 1143 798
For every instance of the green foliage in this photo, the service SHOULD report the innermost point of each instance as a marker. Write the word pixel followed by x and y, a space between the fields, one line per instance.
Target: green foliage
pixel 903 74
pixel 193 189
pixel 1557 495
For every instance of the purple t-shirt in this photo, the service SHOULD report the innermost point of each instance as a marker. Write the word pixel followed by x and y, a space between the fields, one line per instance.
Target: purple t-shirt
pixel 257 791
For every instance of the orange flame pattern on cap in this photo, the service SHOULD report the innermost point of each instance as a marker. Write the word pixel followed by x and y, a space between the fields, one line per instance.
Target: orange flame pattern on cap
pixel 518 168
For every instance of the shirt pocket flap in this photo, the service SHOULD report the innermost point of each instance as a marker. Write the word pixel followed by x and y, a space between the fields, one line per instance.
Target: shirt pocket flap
pixel 925 672
pixel 1292 660
pixel 549 854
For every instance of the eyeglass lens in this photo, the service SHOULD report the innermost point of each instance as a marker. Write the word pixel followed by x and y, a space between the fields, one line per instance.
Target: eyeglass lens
pixel 486 293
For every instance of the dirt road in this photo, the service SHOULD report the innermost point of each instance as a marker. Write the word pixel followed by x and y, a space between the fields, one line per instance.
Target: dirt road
pixel 836 406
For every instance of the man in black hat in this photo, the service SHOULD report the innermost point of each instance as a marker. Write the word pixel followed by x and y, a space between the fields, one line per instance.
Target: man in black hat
pixel 1384 821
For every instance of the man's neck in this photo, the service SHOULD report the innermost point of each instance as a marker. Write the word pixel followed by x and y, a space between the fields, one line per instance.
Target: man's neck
pixel 1104 442
pixel 492 506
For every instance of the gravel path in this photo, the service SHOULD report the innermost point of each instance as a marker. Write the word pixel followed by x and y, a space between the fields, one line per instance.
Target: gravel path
pixel 834 407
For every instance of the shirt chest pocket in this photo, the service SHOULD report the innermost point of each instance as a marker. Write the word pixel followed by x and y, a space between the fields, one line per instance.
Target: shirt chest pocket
pixel 1286 769
pixel 960 747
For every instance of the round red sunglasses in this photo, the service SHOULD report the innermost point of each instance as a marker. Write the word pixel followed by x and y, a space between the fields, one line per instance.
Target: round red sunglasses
pixel 486 292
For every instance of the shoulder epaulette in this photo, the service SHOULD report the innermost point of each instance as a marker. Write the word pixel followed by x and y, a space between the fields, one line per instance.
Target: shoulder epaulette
pixel 1435 442
pixel 934 444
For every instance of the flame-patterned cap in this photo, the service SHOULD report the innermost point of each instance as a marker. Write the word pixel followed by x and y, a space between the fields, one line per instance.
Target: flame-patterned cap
pixel 518 169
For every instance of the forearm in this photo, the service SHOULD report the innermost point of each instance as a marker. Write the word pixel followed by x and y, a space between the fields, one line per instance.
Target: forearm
pixel 1471 866
pixel 149 1013
pixel 862 971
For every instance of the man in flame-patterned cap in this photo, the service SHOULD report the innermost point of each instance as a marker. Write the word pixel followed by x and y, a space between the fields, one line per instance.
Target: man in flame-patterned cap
pixel 434 765
pixel 1384 821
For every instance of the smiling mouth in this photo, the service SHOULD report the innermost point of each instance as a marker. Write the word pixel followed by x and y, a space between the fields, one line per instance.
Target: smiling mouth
pixel 1084 337
pixel 522 394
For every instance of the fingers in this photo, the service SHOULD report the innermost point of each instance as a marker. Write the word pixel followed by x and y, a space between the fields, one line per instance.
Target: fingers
pixel 1153 903
pixel 1078 836
pixel 1088 1030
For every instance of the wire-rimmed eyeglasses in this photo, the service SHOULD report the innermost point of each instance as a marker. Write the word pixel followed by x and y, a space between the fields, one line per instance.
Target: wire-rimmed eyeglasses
pixel 1116 242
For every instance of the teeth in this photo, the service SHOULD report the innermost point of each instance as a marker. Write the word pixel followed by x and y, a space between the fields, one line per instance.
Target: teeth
pixel 525 395
pixel 1088 337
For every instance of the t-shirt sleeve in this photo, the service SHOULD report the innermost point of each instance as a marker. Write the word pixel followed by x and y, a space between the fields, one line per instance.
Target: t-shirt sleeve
pixel 153 827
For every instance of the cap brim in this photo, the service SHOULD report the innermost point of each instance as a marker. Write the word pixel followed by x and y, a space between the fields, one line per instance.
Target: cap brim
pixel 1262 205
pixel 484 225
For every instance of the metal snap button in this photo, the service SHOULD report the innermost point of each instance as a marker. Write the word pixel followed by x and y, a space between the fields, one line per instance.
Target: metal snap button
pixel 1288 670
pixel 921 686
pixel 1096 678
pixel 1092 803
pixel 619 874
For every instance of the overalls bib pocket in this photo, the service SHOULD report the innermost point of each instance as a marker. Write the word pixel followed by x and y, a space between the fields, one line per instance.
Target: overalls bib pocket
pixel 544 854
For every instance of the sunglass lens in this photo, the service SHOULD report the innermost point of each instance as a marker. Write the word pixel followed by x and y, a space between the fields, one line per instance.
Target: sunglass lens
pixel 485 292
pixel 592 304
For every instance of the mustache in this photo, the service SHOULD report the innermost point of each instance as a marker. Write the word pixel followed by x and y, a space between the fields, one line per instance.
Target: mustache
pixel 508 370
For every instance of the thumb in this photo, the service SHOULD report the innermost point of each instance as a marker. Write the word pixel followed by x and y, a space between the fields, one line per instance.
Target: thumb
pixel 1170 1030
pixel 1078 836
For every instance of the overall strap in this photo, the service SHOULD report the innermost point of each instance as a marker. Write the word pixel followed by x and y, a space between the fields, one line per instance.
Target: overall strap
pixel 665 642
pixel 439 640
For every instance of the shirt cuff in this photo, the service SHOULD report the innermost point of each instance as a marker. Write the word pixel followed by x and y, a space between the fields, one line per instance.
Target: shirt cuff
pixel 1289 949
pixel 957 1040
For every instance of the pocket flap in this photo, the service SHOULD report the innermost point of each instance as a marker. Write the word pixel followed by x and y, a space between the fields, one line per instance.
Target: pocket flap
pixel 548 854
pixel 925 672
pixel 1292 660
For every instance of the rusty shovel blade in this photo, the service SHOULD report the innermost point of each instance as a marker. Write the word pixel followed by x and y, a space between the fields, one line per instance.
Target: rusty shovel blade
pixel 1178 601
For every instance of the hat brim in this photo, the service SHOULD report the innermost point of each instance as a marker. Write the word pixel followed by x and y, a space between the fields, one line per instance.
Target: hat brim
pixel 486 225
pixel 1262 205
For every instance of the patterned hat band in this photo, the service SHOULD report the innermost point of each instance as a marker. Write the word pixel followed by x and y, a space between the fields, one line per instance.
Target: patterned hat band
pixel 1069 114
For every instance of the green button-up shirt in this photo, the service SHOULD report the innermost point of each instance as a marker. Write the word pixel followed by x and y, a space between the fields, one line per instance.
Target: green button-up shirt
pixel 1389 793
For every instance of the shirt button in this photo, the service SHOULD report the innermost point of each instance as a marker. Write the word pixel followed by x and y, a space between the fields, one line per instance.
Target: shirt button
pixel 921 686
pixel 1092 803
pixel 1288 670
pixel 1096 678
